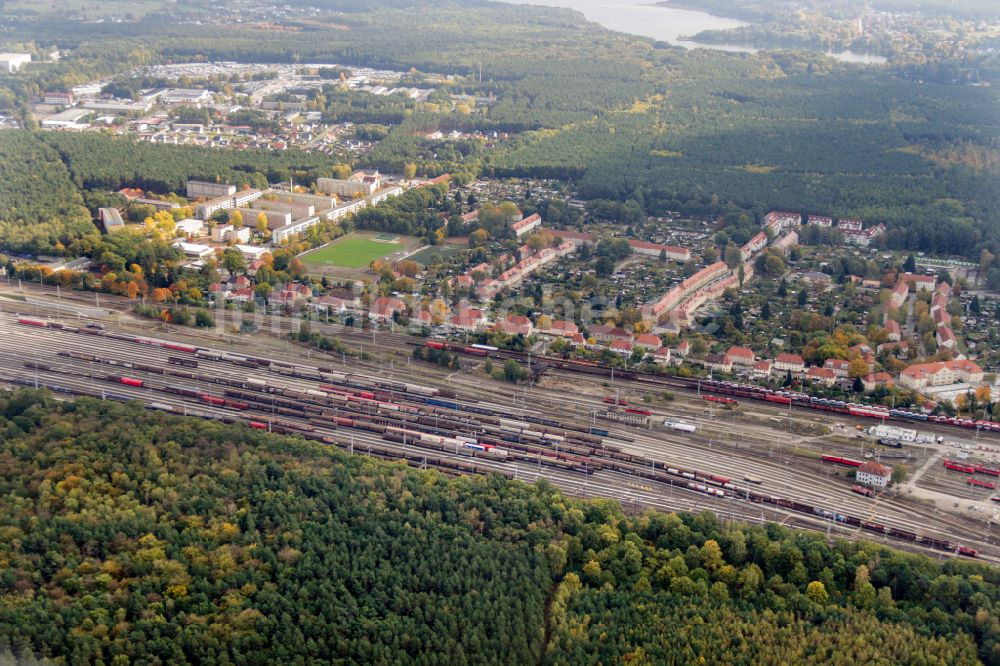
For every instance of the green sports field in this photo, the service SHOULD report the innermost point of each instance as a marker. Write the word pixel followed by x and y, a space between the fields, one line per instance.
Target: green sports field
pixel 350 252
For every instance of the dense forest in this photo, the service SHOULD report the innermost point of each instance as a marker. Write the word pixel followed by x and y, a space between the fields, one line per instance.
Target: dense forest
pixel 41 210
pixel 134 536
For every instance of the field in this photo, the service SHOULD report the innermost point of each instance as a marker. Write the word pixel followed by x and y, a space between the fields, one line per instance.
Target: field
pixel 425 255
pixel 351 255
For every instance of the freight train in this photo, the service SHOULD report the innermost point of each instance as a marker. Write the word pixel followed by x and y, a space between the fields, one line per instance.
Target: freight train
pixel 749 391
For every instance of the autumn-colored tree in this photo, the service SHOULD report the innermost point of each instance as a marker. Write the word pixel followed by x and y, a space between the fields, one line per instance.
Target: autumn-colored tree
pixel 408 268
pixel 133 289
pixel 409 171
pixel 236 218
pixel 858 368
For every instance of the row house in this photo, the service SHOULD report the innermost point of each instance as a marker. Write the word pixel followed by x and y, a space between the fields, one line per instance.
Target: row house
pixel 776 222
pixel 753 246
pixel 672 252
pixel 899 294
pixel 524 226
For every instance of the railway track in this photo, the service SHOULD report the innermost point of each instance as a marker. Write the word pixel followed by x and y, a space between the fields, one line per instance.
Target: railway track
pixel 608 483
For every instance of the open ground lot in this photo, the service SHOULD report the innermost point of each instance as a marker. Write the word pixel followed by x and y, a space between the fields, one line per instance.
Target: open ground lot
pixel 350 255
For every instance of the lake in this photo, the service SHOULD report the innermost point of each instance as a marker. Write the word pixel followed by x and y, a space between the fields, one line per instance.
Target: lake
pixel 669 24
pixel 666 24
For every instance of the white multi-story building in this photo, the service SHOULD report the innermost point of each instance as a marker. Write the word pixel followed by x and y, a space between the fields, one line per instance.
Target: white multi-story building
pixel 941 373
pixel 874 474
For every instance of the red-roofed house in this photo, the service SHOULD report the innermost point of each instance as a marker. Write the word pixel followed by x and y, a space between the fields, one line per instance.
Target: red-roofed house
pixel 741 355
pixel 562 328
pixel 662 355
pixel 719 362
pixel 946 338
pixel 684 348
pixel 822 376
pixel 385 307
pixel 467 319
pixel 623 347
pixel 648 342
pixel 754 245
pixel 785 362
pixel 838 366
pixel 875 380
pixel 522 227
pixel 942 373
pixel 654 249
pixel 919 282
pixel 762 368
pixel 892 328
pixel 899 294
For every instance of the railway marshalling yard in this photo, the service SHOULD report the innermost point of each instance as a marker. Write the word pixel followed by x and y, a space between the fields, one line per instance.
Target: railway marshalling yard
pixel 779 447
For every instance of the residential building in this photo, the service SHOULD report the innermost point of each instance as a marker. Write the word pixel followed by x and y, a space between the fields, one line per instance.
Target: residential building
pixel 762 369
pixel 893 330
pixel 786 242
pixel 823 376
pixel 385 307
pixel 240 199
pixel 684 348
pixel 719 363
pixel 346 188
pixel 876 380
pixel 820 220
pixel 741 356
pixel 899 294
pixel 874 474
pixel 672 252
pixel 294 229
pixel 648 342
pixel 201 189
pixel 524 226
pixel 753 246
pixel 940 373
pixel 785 362
pixel 838 366
pixel 622 347
pixel 945 337
pixel 662 355
pixel 776 222
pixel 919 282
pixel 577 238
pixel 560 328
